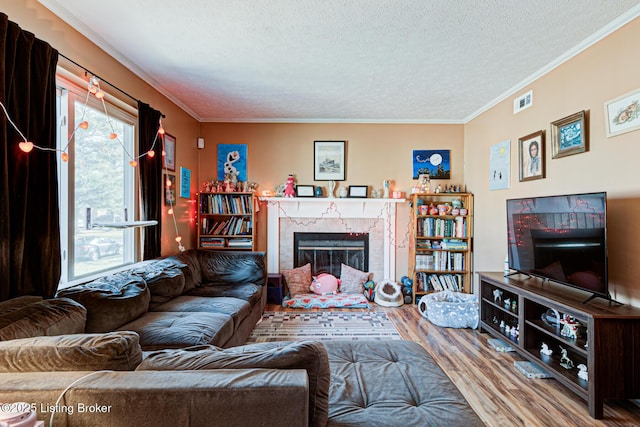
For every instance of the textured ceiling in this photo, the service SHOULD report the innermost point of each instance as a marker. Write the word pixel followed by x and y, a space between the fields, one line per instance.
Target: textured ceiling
pixel 413 61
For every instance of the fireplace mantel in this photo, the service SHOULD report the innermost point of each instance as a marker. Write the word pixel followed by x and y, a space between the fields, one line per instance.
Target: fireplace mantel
pixel 327 208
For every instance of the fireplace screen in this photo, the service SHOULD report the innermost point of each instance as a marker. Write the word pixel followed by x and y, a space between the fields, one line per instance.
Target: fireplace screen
pixel 327 251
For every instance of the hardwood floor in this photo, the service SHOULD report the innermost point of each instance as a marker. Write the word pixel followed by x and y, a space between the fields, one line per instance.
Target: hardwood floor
pixel 500 394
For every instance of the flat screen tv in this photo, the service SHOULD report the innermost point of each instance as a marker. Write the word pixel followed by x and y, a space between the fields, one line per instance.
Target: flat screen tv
pixel 561 238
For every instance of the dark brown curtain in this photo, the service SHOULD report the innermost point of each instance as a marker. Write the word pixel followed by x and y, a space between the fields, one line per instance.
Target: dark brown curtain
pixel 151 188
pixel 29 215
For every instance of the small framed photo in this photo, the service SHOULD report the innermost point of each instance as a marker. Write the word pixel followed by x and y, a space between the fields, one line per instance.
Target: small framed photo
pixel 185 183
pixel 623 113
pixel 329 160
pixel 358 191
pixel 531 156
pixel 169 189
pixel 569 135
pixel 305 191
pixel 169 148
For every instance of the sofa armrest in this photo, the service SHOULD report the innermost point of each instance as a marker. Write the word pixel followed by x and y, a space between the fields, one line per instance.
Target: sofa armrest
pixel 229 397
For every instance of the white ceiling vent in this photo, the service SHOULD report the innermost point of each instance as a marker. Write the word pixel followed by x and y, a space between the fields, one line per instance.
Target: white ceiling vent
pixel 522 102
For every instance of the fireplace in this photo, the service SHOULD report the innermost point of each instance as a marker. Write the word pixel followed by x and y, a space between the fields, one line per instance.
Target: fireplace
pixel 373 217
pixel 328 251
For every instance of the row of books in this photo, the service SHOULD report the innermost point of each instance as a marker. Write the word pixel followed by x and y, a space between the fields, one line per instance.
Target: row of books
pixel 439 282
pixel 219 242
pixel 442 227
pixel 446 244
pixel 232 226
pixel 440 261
pixel 226 204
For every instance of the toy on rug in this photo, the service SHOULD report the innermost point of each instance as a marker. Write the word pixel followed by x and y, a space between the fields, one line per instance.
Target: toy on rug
pixel 388 294
pixel 369 290
pixel 289 187
pixel 325 284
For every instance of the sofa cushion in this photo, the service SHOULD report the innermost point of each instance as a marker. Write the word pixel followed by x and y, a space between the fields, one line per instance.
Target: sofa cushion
pixel 178 330
pixel 298 280
pixel 247 292
pixel 111 301
pixel 222 268
pixel 308 355
pixel 55 316
pixel 164 279
pixel 116 351
pixel 191 270
pixel 236 308
pixel 18 302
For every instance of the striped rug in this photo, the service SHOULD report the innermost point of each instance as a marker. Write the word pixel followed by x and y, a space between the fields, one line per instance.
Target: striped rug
pixel 323 325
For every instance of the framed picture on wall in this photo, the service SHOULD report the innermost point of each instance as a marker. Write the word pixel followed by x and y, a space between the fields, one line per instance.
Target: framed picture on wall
pixel 329 160
pixel 569 135
pixel 623 113
pixel 185 183
pixel 169 189
pixel 436 163
pixel 169 148
pixel 531 156
pixel 232 160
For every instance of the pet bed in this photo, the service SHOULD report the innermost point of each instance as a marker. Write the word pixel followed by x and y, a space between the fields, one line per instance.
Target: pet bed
pixel 339 300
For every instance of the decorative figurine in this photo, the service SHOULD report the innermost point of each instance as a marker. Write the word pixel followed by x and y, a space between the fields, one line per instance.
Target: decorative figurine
pixel 502 324
pixel 507 303
pixel 332 188
pixel 318 191
pixel 497 296
pixel 385 185
pixel 289 187
pixel 344 192
pixel 565 362
pixel 514 306
pixel 582 373
pixel 545 350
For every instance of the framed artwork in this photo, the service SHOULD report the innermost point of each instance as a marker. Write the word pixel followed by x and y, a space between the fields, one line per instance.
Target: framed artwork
pixel 305 191
pixel 169 189
pixel 436 163
pixel 329 160
pixel 500 165
pixel 169 148
pixel 232 159
pixel 358 191
pixel 569 135
pixel 185 183
pixel 623 113
pixel 531 156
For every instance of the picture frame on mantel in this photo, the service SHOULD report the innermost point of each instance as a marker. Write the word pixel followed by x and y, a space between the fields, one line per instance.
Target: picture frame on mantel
pixel 305 191
pixel 358 191
pixel 169 146
pixel 569 135
pixel 329 160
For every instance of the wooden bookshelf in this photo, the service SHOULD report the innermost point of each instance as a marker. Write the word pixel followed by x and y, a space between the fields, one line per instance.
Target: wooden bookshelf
pixel 226 221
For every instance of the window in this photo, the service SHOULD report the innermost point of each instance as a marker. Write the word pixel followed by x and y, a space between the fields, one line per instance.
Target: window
pixel 98 179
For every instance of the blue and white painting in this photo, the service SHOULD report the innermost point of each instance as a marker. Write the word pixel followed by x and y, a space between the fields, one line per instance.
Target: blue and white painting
pixel 437 163
pixel 232 159
pixel 500 165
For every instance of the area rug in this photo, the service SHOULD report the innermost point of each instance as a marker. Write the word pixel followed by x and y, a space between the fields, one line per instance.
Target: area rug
pixel 323 326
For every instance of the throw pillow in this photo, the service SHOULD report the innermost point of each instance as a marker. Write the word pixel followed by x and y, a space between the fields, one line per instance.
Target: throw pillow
pixel 352 280
pixel 298 280
pixel 307 355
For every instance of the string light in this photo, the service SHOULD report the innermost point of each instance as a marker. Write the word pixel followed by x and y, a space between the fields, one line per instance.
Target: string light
pixel 93 89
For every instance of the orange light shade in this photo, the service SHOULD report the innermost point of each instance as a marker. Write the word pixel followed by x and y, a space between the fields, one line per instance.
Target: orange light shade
pixel 161 130
pixel 64 156
pixel 168 183
pixel 151 153
pixel 26 146
pixel 84 125
pixel 113 135
pixel 164 153
pixel 100 94
pixel 170 211
pixel 133 163
pixel 178 239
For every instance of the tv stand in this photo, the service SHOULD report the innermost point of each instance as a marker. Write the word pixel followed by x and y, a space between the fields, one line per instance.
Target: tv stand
pixel 607 343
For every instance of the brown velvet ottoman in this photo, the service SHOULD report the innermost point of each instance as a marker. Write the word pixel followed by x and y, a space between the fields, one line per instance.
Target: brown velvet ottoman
pixel 392 383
